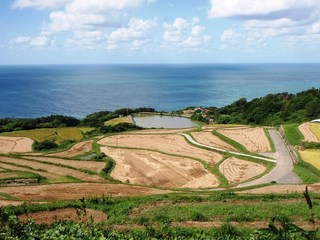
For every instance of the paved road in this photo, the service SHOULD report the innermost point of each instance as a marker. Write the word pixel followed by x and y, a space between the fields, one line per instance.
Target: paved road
pixel 226 151
pixel 283 172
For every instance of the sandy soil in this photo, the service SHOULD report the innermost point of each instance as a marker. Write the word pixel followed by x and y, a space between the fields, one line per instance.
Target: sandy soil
pixel 284 189
pixel 82 164
pixel 77 149
pixel 54 192
pixel 60 171
pixel 208 138
pixel 237 170
pixel 173 144
pixel 50 217
pixel 156 169
pixel 253 139
pixel 15 144
pixel 307 133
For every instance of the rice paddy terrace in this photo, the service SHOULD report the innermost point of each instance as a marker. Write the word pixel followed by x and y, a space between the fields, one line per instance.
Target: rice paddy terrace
pixel 153 168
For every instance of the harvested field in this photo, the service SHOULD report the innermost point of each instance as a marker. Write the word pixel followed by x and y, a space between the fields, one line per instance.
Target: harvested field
pixel 41 134
pixel 81 164
pixel 58 171
pixel 15 144
pixel 8 175
pixel 156 169
pixel 173 144
pixel 67 191
pixel 284 189
pixel 4 203
pixel 160 131
pixel 312 157
pixel 315 129
pixel 208 138
pixel 77 149
pixel 237 170
pixel 36 171
pixel 50 217
pixel 307 133
pixel 253 139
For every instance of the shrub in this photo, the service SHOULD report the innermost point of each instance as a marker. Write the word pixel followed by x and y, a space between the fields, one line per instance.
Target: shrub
pixel 45 145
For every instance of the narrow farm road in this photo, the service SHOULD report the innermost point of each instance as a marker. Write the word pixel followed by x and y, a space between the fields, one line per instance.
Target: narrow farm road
pixel 190 139
pixel 283 172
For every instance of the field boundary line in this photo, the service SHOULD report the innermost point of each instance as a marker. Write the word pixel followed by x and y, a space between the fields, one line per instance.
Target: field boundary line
pixel 189 138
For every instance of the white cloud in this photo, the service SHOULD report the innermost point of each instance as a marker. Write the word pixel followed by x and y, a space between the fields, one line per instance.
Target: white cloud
pixel 40 4
pixel 184 33
pixel 136 34
pixel 230 35
pixel 40 41
pixel 265 19
pixel 256 9
pixel 100 6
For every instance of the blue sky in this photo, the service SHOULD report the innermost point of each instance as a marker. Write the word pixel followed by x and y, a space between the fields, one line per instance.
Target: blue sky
pixel 159 31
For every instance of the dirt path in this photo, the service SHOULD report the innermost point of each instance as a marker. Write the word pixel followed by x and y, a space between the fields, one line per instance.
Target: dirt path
pixel 283 171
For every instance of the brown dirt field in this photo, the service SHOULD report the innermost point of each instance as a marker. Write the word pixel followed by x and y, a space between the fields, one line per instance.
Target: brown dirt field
pixel 209 139
pixel 77 149
pixel 237 170
pixel 4 203
pixel 283 189
pixel 253 139
pixel 50 217
pixel 67 191
pixel 41 173
pixel 53 169
pixel 156 169
pixel 86 165
pixel 307 133
pixel 161 131
pixel 15 144
pixel 8 175
pixel 173 144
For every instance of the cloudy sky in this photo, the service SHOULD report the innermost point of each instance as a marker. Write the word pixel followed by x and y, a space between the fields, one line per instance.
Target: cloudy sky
pixel 159 31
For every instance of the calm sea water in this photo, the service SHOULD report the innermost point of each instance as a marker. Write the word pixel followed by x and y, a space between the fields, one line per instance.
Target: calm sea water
pixel 77 90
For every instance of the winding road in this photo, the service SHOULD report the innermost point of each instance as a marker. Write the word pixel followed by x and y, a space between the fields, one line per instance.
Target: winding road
pixel 281 173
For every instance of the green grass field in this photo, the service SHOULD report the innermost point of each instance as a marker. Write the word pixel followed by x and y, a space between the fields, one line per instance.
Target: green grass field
pixel 293 134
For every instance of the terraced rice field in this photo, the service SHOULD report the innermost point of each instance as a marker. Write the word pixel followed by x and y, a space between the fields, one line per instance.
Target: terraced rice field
pixel 315 129
pixel 156 169
pixel 208 138
pixel 48 170
pixel 50 217
pixel 312 157
pixel 307 132
pixel 79 164
pixel 116 121
pixel 253 139
pixel 67 191
pixel 57 134
pixel 77 149
pixel 15 144
pixel 237 170
pixel 173 144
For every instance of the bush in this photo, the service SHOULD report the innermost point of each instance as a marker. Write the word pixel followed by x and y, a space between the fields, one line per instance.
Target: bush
pixel 45 145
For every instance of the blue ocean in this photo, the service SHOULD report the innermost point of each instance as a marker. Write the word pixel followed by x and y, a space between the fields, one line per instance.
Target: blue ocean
pixel 77 90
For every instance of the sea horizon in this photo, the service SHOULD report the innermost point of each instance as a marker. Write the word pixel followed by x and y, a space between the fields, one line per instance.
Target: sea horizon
pixel 80 89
